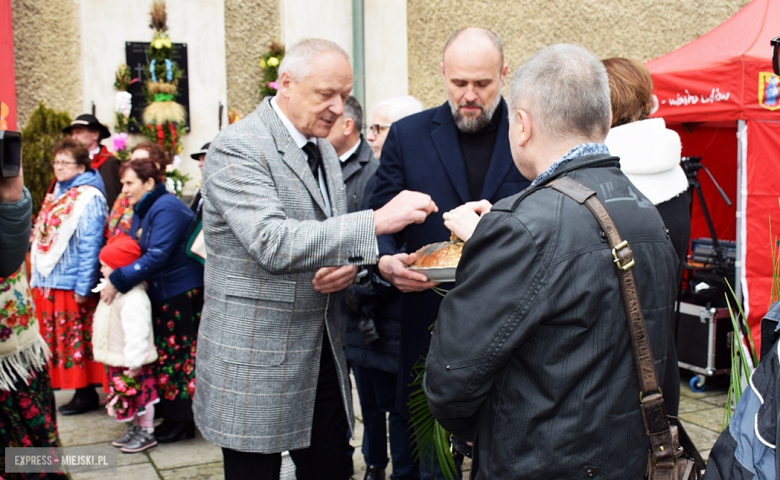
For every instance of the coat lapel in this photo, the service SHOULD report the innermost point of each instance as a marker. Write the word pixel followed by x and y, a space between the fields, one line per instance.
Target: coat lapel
pixel 332 166
pixel 445 139
pixel 291 154
pixel 501 162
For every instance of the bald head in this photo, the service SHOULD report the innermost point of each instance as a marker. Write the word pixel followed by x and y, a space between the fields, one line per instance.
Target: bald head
pixel 473 69
pixel 476 37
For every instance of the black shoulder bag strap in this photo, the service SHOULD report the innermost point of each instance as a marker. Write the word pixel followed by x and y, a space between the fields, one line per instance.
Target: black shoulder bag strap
pixel 665 450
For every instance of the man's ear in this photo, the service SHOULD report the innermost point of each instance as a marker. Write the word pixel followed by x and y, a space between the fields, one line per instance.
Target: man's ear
pixel 285 80
pixel 523 125
pixel 349 126
pixel 504 71
pixel 441 66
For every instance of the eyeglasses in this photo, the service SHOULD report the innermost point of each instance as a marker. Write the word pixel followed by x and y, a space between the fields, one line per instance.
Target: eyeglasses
pixel 376 128
pixel 62 164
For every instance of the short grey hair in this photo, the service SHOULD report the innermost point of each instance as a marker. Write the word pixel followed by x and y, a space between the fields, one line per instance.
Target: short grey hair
pixel 297 60
pixel 566 89
pixel 400 107
pixel 488 34
pixel 353 110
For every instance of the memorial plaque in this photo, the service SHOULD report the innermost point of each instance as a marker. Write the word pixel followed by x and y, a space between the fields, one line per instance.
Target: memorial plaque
pixel 137 59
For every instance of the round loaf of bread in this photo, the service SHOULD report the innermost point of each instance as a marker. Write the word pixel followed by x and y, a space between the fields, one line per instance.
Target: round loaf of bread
pixel 442 254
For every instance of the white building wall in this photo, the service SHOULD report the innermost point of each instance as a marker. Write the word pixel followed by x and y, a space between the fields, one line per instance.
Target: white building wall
pixel 105 27
pixel 328 19
pixel 387 65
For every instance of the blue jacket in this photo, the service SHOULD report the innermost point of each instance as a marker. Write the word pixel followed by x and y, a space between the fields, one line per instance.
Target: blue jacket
pixel 422 153
pixel 746 449
pixel 165 223
pixel 79 268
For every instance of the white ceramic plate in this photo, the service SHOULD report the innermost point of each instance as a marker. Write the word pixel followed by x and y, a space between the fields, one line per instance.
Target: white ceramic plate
pixel 437 274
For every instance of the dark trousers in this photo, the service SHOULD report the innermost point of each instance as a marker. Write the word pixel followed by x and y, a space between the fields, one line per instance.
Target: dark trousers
pixel 324 459
pixel 376 390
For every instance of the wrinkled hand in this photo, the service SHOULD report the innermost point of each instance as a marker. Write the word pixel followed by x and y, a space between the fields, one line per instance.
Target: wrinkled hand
pixel 79 299
pixel 462 221
pixel 405 208
pixel 333 279
pixel 393 269
pixel 108 293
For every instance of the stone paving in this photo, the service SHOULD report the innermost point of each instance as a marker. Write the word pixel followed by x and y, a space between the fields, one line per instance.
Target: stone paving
pixel 196 459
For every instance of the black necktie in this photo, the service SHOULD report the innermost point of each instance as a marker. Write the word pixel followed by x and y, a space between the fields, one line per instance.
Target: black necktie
pixel 313 153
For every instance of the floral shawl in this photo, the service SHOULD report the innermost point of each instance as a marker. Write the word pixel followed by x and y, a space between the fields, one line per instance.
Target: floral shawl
pixel 56 224
pixel 22 349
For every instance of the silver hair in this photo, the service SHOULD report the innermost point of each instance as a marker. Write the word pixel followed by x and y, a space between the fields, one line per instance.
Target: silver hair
pixel 566 89
pixel 489 34
pixel 353 110
pixel 400 107
pixel 297 60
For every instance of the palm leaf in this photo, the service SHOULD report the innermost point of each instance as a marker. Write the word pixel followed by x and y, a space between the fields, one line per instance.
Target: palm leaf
pixel 429 437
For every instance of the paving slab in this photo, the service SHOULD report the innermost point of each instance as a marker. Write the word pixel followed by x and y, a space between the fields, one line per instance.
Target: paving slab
pixel 711 418
pixel 703 438
pixel 211 471
pixel 690 404
pixel 124 459
pixel 141 471
pixel 184 453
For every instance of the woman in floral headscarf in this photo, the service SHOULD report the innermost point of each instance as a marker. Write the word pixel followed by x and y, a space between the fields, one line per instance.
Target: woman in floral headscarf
pixel 67 240
pixel 27 411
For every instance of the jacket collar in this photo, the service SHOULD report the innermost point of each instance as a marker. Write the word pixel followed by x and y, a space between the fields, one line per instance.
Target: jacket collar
pixel 357 161
pixel 148 200
pixel 587 161
pixel 445 139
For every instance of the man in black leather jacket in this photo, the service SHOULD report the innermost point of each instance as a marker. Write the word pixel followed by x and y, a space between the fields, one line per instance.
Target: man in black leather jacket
pixel 531 355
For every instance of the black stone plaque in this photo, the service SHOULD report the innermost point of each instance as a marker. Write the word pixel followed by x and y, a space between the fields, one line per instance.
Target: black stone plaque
pixel 137 59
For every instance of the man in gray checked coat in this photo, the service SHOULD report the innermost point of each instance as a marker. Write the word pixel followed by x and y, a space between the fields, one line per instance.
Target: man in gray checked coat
pixel 271 373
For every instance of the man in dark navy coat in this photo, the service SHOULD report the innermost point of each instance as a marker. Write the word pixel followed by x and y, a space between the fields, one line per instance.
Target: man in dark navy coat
pixel 456 153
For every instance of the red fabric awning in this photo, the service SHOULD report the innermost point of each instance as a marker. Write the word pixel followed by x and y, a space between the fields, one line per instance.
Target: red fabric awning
pixel 724 75
pixel 7 79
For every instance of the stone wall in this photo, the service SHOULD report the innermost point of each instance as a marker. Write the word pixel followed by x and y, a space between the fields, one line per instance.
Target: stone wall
pixel 250 26
pixel 47 55
pixel 639 29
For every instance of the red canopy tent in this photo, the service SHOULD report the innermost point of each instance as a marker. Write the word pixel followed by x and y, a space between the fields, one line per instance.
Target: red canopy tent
pixel 7 82
pixel 719 93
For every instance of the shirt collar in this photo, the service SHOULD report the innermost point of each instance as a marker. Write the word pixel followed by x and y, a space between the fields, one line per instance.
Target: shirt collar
pixel 94 152
pixel 299 138
pixel 349 152
pixel 580 150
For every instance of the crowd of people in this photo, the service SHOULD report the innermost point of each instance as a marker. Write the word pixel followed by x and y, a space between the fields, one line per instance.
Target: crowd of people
pixel 309 227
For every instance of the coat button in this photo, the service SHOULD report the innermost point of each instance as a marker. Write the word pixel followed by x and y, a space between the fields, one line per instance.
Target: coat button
pixel 589 472
pixel 447 367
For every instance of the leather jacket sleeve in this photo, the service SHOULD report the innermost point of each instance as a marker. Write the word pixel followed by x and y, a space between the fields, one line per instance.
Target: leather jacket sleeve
pixel 493 309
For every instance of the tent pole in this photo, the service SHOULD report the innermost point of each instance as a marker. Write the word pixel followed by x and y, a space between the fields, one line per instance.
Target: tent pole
pixel 741 218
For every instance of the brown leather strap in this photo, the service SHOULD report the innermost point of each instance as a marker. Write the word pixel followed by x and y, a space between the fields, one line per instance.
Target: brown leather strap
pixel 653 411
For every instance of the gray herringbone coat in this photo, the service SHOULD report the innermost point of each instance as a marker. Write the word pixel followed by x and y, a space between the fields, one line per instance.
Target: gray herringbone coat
pixel 261 330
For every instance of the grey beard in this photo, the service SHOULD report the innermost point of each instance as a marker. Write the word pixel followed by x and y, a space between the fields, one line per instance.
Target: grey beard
pixel 471 125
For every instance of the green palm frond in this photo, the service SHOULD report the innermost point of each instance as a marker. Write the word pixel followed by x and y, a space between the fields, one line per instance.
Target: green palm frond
pixel 427 434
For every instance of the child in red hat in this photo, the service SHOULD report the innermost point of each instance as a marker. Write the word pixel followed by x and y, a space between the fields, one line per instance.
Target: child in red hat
pixel 122 338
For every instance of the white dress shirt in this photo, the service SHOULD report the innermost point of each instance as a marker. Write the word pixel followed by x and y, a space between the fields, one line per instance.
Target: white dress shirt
pixel 301 140
pixel 349 152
